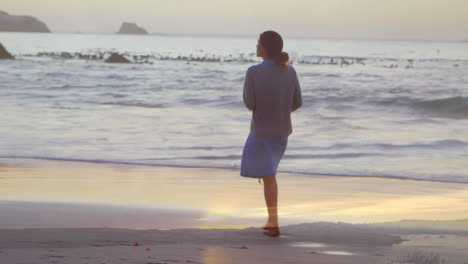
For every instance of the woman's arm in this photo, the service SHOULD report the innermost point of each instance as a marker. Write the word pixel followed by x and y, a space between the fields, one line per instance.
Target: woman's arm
pixel 249 92
pixel 297 97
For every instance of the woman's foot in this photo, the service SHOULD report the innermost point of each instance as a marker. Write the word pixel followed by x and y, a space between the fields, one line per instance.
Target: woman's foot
pixel 269 226
pixel 272 231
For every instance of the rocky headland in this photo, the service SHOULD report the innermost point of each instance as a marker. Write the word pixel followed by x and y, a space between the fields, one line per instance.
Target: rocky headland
pixel 12 23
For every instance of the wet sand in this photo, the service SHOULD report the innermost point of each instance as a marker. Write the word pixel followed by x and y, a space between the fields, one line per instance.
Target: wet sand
pixel 306 243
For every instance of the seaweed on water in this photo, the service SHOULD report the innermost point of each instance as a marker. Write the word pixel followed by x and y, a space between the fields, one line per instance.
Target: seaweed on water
pixel 419 257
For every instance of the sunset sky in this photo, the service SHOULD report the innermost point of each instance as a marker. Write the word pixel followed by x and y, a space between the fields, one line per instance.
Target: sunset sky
pixel 396 19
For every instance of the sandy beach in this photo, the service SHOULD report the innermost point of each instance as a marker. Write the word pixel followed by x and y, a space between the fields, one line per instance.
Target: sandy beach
pixel 306 243
pixel 75 212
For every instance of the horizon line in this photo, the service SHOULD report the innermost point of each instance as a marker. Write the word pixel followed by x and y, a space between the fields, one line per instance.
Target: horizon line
pixel 292 36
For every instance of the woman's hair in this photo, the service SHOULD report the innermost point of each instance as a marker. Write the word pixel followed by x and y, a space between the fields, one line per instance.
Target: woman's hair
pixel 273 44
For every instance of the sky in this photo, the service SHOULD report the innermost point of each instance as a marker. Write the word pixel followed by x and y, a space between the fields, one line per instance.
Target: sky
pixel 379 19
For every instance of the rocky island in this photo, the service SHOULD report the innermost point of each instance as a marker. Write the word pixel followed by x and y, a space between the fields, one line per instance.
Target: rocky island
pixel 131 28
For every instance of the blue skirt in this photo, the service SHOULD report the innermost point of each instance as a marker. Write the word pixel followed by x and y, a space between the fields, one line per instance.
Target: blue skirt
pixel 261 155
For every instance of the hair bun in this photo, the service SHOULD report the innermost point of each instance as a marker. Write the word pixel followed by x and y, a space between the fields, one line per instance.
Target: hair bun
pixel 282 59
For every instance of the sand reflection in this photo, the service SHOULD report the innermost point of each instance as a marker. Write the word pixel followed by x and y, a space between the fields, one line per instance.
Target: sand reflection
pixel 228 200
pixel 215 256
pixel 308 245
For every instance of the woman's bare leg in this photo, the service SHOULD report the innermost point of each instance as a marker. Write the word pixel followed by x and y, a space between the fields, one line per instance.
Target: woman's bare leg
pixel 270 189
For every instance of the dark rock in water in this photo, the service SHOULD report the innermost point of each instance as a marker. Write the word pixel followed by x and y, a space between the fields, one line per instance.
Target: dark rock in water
pixel 131 28
pixel 4 54
pixel 66 55
pixel 117 58
pixel 21 23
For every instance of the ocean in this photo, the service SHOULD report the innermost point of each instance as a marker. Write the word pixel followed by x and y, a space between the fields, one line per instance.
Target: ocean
pixel 371 108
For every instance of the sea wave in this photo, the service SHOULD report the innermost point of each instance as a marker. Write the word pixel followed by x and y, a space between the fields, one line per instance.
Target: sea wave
pixel 129 103
pixel 445 178
pixel 286 156
pixel 436 145
pixel 101 55
pixel 439 144
pixel 450 107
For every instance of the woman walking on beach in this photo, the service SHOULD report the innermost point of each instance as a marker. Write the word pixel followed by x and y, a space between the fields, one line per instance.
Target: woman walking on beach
pixel 271 92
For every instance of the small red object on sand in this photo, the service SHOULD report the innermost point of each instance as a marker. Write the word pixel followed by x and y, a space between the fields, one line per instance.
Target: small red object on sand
pixel 136 244
pixel 148 249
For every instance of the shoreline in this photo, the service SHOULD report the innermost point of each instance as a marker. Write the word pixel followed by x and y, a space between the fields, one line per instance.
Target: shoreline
pixel 129 163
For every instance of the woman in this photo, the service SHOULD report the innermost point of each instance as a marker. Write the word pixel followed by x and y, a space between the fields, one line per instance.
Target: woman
pixel 271 92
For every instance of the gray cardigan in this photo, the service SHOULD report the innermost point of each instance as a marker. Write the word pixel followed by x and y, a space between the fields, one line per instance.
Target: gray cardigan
pixel 272 93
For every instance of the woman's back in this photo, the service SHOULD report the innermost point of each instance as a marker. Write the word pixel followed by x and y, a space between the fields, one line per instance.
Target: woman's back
pixel 272 92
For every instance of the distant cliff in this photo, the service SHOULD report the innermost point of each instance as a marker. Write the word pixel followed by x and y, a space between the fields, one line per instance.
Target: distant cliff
pixel 131 28
pixel 21 23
